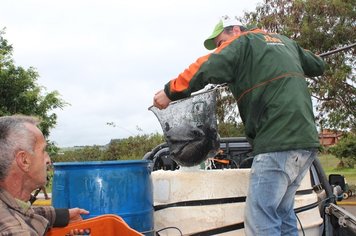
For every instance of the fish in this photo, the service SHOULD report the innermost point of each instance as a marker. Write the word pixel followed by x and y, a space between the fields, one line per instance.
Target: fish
pixel 190 145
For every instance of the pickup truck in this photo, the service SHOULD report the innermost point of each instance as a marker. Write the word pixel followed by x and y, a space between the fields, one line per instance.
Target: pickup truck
pixel 209 199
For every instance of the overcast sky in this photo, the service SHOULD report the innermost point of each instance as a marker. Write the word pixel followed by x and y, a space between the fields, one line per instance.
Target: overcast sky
pixel 107 58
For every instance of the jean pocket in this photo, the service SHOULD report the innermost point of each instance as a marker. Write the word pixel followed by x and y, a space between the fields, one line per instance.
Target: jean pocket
pixel 293 165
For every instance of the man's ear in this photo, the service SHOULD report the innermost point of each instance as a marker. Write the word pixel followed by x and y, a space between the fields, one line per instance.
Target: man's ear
pixel 236 29
pixel 23 160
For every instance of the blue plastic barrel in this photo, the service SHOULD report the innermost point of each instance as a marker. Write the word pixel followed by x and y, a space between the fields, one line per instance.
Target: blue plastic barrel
pixel 123 188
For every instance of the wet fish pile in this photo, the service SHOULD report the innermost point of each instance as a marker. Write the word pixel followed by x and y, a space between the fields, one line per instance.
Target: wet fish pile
pixel 189 145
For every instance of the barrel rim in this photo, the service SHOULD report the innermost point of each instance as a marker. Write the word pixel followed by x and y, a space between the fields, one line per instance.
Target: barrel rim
pixel 101 163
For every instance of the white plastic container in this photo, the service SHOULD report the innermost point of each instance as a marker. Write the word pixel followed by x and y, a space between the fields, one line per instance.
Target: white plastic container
pixel 186 186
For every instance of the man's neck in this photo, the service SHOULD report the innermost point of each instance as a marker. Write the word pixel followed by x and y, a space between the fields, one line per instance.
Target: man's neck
pixel 16 187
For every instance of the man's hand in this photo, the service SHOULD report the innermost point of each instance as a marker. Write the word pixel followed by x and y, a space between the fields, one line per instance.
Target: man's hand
pixel 75 214
pixel 160 100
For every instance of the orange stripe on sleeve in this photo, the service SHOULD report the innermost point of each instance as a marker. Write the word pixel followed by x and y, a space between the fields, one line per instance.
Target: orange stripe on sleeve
pixel 182 81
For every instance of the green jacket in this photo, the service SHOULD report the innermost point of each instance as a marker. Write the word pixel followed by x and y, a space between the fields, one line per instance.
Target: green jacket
pixel 266 74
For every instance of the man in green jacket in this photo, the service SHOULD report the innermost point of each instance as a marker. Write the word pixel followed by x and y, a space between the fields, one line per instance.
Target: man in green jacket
pixel 266 74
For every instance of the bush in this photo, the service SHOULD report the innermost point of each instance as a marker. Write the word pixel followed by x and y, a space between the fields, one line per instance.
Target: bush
pixel 131 148
pixel 345 149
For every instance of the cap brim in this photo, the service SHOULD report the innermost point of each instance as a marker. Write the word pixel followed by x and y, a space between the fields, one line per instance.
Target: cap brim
pixel 209 42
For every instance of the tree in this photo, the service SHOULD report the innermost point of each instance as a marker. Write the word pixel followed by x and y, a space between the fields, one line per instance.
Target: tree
pixel 20 94
pixel 345 148
pixel 86 153
pixel 320 26
pixel 229 124
pixel 133 147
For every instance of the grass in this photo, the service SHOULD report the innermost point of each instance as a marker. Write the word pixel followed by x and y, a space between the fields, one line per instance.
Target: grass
pixel 330 163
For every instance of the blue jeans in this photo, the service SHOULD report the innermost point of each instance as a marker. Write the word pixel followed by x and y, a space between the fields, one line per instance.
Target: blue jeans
pixel 274 180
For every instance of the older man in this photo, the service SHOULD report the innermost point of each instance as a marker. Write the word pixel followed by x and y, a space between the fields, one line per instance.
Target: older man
pixel 23 163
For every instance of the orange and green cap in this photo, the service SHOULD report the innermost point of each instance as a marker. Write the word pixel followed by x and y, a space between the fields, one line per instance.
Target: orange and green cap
pixel 225 21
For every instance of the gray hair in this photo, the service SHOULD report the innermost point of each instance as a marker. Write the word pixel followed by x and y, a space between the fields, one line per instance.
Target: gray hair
pixel 14 136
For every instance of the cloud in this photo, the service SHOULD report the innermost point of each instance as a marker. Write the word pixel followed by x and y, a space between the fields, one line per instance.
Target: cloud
pixel 107 58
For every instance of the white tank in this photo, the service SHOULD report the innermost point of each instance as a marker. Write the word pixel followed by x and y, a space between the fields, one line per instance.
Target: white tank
pixel 176 194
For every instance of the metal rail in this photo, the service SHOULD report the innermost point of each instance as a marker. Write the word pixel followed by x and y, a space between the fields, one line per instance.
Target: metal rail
pixel 345 219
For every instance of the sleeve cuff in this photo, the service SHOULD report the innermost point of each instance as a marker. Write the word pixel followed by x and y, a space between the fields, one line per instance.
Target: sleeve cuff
pixel 166 90
pixel 62 217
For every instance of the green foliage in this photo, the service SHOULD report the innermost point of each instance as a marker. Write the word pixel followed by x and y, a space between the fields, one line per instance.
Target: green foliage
pixel 131 148
pixel 231 130
pixel 346 147
pixel 320 26
pixel 20 94
pixel 87 153
pixel 51 148
pixel 227 115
